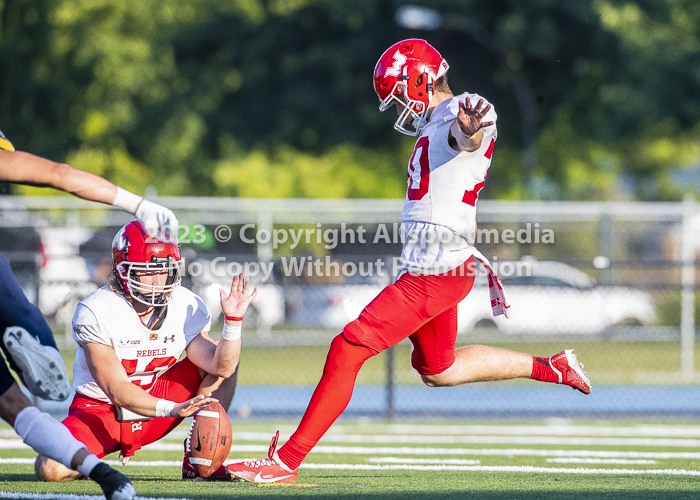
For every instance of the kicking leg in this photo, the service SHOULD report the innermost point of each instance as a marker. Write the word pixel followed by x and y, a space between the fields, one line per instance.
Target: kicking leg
pixel 440 365
pixel 329 400
pixel 480 363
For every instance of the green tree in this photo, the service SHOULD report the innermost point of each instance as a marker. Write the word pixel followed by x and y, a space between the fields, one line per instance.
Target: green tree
pixel 274 97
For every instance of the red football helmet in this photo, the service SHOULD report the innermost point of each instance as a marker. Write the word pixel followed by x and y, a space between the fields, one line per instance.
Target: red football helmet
pixel 406 73
pixel 134 250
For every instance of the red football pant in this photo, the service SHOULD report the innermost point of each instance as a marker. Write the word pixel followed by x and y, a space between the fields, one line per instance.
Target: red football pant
pixel 420 307
pixel 95 422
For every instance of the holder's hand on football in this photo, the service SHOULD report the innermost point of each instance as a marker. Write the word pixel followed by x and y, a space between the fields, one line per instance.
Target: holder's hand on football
pixel 470 119
pixel 191 406
pixel 236 303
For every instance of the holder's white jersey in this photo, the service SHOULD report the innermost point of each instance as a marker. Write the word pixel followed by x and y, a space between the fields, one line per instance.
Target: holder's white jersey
pixel 106 317
pixel 439 216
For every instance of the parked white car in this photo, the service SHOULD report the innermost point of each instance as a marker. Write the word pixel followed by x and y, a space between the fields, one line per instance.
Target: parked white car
pixel 554 299
pixel 557 299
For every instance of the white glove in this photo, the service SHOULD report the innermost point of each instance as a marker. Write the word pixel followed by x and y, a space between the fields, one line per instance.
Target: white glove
pixel 158 221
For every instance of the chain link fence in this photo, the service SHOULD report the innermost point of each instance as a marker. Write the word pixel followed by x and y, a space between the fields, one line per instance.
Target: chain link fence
pixel 616 281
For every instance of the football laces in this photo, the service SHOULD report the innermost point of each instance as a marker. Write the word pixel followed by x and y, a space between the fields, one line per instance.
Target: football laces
pixel 189 437
pixel 259 463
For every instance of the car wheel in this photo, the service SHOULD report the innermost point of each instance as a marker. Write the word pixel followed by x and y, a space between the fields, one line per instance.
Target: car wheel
pixel 485 323
pixel 629 322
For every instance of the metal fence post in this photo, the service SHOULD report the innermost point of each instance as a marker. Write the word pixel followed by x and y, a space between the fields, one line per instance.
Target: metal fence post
pixel 265 223
pixel 607 246
pixel 390 383
pixel 264 251
pixel 688 286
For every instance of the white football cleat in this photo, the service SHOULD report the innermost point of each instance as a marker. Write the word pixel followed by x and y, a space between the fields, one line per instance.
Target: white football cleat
pixel 42 366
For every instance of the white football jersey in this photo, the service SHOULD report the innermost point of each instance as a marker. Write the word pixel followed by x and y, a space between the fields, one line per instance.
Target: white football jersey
pixel 106 317
pixel 439 216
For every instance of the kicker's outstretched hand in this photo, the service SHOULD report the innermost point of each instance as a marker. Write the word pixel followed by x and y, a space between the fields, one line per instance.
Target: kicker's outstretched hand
pixel 471 119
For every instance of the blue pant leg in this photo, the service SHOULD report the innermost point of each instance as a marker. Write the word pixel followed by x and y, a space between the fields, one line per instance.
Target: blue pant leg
pixel 16 310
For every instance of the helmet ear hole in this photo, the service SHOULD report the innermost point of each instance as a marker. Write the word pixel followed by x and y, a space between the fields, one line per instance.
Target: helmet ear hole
pixel 419 81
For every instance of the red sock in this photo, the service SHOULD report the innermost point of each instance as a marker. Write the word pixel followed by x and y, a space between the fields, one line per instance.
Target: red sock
pixel 541 370
pixel 330 399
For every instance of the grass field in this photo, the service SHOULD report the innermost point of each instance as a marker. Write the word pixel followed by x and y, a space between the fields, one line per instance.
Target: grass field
pixel 412 460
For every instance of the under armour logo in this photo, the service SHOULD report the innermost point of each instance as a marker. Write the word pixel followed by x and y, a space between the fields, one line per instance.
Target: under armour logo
pixel 399 61
pixel 136 426
pixel 169 339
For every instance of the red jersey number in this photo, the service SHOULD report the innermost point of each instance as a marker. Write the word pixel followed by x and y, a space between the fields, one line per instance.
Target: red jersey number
pixel 470 196
pixel 419 170
pixel 419 174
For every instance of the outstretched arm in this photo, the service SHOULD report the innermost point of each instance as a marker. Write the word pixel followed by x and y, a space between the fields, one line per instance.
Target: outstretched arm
pixel 111 377
pixel 221 358
pixel 25 168
pixel 467 131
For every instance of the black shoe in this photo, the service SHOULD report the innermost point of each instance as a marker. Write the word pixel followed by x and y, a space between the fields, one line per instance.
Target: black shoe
pixel 114 484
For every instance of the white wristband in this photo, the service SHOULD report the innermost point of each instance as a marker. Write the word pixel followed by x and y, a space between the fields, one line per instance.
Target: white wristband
pixel 164 407
pixel 126 200
pixel 231 332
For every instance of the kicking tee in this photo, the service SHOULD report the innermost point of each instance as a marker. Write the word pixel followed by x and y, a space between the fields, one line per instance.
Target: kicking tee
pixel 106 317
pixel 439 216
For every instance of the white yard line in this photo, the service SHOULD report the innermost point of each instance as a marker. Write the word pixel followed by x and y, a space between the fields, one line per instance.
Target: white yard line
pixel 682 431
pixel 526 452
pixel 618 461
pixel 447 461
pixel 505 468
pixel 407 450
pixel 417 467
pixel 529 440
pixel 339 430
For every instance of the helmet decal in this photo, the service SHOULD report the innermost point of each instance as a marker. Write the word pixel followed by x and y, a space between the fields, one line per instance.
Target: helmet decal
pixel 395 69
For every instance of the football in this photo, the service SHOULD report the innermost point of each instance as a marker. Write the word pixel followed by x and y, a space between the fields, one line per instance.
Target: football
pixel 209 439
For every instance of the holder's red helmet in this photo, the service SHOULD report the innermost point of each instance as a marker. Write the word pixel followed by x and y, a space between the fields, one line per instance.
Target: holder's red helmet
pixel 406 73
pixel 134 250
